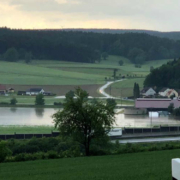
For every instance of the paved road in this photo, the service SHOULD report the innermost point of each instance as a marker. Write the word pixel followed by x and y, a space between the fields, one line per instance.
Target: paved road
pixel 149 140
pixel 102 89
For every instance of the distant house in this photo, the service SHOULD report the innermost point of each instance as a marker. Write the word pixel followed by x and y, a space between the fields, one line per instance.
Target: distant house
pixel 147 91
pixel 166 92
pixel 47 93
pixel 21 93
pixel 11 90
pixel 35 91
pixel 3 89
pixel 163 92
pixel 172 92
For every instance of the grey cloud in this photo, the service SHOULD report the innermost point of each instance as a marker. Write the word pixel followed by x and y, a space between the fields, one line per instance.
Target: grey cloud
pixel 142 10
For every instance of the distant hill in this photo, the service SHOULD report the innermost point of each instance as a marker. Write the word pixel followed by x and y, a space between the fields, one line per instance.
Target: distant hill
pixel 175 35
pixel 89 47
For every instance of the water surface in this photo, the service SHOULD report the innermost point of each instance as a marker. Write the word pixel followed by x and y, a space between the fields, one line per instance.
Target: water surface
pixel 43 117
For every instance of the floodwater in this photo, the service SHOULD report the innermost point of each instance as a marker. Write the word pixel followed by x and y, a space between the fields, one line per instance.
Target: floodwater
pixel 43 117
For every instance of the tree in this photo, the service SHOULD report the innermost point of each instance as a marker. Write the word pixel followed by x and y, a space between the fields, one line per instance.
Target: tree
pixel 104 55
pixel 171 108
pixel 39 99
pixel 11 55
pixel 136 90
pixel 13 101
pixel 114 73
pixel 4 151
pixel 84 121
pixel 111 102
pixel 121 62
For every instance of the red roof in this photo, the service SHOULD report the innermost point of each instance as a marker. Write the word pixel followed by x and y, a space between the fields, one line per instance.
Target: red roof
pixel 156 103
pixel 2 87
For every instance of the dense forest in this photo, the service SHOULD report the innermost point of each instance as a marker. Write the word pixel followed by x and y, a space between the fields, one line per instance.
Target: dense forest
pixel 83 46
pixel 168 75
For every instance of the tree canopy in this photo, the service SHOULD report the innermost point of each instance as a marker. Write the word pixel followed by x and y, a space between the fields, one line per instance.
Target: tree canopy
pixel 84 120
pixel 168 75
pixel 39 99
pixel 86 46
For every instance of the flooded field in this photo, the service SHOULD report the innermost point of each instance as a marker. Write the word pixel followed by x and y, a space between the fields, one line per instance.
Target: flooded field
pixel 43 117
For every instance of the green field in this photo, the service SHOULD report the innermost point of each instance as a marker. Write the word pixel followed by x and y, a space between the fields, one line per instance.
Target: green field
pixel 136 166
pixel 125 88
pixel 26 129
pixel 29 100
pixel 69 73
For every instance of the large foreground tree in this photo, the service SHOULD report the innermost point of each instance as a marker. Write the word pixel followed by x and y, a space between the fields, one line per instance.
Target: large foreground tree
pixel 83 120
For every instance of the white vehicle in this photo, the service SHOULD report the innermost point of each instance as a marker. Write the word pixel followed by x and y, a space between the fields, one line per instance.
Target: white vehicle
pixel 176 169
pixel 115 132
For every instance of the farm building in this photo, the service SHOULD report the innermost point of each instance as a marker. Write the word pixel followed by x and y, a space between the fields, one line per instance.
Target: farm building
pixel 35 91
pixel 148 91
pixel 21 93
pixel 149 103
pixel 166 92
pixel 10 90
pixel 3 89
pixel 163 92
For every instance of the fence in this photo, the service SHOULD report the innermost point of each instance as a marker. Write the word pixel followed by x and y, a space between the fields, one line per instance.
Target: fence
pixel 27 136
pixel 161 129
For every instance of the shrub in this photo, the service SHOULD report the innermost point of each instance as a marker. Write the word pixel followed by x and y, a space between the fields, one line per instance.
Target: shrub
pixel 58 104
pixel 52 155
pixel 13 101
pixel 4 151
pixel 4 103
pixel 39 99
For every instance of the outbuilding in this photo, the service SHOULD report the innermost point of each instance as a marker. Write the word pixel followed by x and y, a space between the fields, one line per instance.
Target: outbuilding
pixel 35 91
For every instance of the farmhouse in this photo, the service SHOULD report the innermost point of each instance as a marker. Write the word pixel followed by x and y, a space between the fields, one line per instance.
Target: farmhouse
pixel 147 91
pixel 35 91
pixel 11 90
pixel 148 103
pixel 166 92
pixel 2 89
pixel 163 92
pixel 21 93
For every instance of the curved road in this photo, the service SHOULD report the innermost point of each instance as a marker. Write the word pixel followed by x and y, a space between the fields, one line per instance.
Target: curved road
pixel 102 89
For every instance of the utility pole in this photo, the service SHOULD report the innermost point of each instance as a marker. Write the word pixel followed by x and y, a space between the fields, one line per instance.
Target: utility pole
pixel 110 90
pixel 121 97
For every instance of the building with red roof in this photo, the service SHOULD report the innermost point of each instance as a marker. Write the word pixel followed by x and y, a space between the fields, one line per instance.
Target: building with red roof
pixel 149 103
pixel 2 89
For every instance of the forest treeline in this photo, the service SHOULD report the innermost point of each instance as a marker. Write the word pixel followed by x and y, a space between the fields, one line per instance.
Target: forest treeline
pixel 168 75
pixel 84 46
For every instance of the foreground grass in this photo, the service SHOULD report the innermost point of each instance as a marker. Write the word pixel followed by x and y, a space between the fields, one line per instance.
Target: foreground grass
pixel 26 129
pixel 149 165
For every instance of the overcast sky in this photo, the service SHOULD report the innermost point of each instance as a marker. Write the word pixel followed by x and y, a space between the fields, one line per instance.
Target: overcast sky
pixel 162 15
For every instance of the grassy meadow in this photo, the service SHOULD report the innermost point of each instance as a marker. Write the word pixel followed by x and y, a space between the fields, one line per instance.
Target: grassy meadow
pixel 29 100
pixel 125 88
pixel 26 129
pixel 69 73
pixel 147 165
pixel 60 77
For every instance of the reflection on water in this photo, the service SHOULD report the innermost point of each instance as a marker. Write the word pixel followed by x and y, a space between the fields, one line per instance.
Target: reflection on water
pixel 39 112
pixel 43 117
pixel 13 109
pixel 144 121
pixel 26 116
